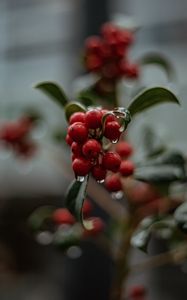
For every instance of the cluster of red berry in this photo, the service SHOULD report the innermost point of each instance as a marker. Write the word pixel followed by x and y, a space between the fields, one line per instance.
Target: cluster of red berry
pixel 113 181
pixel 85 136
pixel 62 216
pixel 107 55
pixel 16 135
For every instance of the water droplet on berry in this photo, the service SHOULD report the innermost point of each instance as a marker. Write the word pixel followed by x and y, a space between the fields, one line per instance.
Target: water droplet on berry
pixel 115 141
pixel 117 195
pixel 80 178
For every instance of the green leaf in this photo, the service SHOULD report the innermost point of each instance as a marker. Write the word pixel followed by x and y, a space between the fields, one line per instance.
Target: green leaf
pixel 54 91
pixel 165 168
pixel 152 144
pixel 75 198
pixel 73 107
pixel 142 235
pixel 39 216
pixel 151 97
pixel 180 216
pixel 159 60
pixel 88 97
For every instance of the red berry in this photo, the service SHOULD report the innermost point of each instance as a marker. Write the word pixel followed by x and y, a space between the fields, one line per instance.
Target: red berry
pixel 76 149
pixel 111 70
pixel 109 30
pixel 69 140
pixel 78 132
pixel 111 161
pixel 93 63
pixel 126 168
pixel 110 117
pixel 111 130
pixel 87 208
pixel 94 226
pixel 77 117
pixel 137 291
pixel 124 149
pixel 113 183
pixel 13 132
pixel 93 44
pixel 63 216
pixel 91 148
pixel 125 37
pixel 81 166
pixel 94 118
pixel 131 71
pixel 98 172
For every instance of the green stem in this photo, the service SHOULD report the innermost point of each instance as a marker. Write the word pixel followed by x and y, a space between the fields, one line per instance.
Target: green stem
pixel 122 267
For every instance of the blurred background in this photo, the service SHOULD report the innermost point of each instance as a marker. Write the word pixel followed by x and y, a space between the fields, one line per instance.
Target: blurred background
pixel 42 40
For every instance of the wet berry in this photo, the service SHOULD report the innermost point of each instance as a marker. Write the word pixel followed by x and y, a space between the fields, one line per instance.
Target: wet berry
pixel 76 149
pixel 91 148
pixel 81 166
pixel 78 132
pixel 111 130
pixel 77 117
pixel 93 118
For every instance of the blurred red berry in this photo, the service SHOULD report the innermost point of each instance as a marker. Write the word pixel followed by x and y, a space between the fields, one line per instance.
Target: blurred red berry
pixel 94 44
pixel 113 183
pixel 94 226
pixel 87 208
pixel 98 172
pixel 137 291
pixel 93 63
pixel 131 71
pixel 63 216
pixel 111 161
pixel 124 149
pixel 126 168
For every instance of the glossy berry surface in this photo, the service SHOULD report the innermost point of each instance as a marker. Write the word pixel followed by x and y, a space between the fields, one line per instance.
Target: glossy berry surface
pixel 76 149
pixel 77 117
pixel 63 216
pixel 111 161
pixel 78 132
pixel 93 118
pixel 113 183
pixel 81 166
pixel 69 140
pixel 126 168
pixel 112 131
pixel 91 148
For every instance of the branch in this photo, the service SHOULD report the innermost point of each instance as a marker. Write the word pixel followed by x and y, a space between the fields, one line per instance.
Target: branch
pixel 173 256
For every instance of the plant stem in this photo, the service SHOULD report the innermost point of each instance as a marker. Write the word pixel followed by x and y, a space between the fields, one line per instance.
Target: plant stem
pixel 122 268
